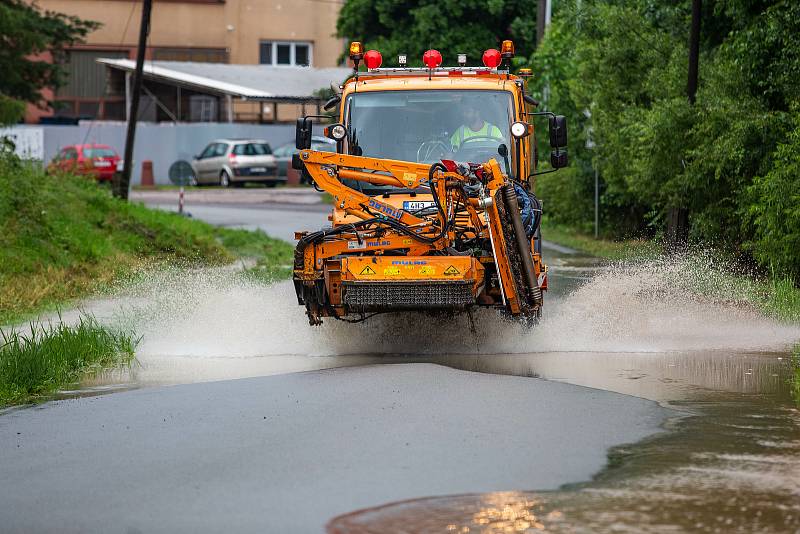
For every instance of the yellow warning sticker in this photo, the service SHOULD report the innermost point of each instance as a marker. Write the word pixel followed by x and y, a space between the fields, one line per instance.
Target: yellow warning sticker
pixel 367 271
pixel 452 271
pixel 391 271
pixel 427 270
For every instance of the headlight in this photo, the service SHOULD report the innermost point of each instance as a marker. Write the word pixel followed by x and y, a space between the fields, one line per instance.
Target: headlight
pixel 336 131
pixel 520 129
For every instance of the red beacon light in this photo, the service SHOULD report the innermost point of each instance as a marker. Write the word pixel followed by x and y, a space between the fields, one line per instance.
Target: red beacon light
pixel 492 58
pixel 432 58
pixel 373 59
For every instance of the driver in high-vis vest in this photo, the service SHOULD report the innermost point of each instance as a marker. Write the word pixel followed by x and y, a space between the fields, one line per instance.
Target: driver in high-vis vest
pixel 474 126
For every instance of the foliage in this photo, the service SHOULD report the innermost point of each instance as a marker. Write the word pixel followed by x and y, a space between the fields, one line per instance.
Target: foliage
pixel 11 110
pixel 774 208
pixel 617 69
pixel 63 237
pixel 450 26
pixel 795 380
pixel 49 357
pixel 27 35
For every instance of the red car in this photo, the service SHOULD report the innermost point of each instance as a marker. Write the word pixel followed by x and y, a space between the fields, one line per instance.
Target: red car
pixel 95 160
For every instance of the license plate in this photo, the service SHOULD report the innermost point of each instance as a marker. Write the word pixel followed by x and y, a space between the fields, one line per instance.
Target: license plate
pixel 258 169
pixel 414 205
pixel 102 164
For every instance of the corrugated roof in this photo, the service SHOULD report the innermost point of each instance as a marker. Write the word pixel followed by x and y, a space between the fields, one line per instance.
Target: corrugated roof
pixel 256 82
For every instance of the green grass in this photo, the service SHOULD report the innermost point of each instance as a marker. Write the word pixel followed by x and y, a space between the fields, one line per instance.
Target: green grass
pixel 601 248
pixel 273 257
pixel 44 359
pixel 63 237
pixel 795 380
pixel 706 272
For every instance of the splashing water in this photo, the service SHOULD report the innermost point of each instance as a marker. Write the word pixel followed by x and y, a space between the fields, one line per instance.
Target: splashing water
pixel 660 306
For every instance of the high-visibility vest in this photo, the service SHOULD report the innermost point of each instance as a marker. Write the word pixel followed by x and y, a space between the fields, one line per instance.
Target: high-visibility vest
pixel 465 132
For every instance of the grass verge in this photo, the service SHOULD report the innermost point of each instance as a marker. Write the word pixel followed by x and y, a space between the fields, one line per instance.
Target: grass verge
pixel 602 248
pixel 705 271
pixel 63 237
pixel 796 374
pixel 39 362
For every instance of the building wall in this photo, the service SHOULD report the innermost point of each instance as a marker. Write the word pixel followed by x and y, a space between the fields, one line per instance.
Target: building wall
pixel 190 30
pixel 185 24
pixel 283 20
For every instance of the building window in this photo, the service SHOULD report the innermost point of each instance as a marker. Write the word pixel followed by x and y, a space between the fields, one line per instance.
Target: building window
pixel 296 54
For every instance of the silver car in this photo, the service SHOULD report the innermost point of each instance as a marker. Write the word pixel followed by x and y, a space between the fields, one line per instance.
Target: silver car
pixel 283 154
pixel 234 162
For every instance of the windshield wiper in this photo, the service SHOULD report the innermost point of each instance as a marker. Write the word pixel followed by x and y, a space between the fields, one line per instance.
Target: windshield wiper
pixel 405 191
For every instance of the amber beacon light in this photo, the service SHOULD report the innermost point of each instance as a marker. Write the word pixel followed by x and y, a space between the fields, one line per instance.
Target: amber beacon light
pixel 356 51
pixel 507 49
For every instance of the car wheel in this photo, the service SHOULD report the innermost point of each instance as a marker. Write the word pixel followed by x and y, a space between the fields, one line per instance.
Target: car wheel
pixel 224 179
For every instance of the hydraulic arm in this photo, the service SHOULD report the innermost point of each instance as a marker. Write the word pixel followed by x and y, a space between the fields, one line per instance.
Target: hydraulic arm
pixel 467 246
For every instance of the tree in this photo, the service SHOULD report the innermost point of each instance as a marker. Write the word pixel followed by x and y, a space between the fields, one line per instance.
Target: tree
pixel 451 26
pixel 26 33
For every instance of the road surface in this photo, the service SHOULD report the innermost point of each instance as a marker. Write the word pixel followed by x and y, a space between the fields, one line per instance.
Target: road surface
pixel 289 452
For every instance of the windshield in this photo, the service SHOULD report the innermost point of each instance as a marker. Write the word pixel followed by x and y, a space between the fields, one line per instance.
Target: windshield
pixel 98 153
pixel 252 149
pixel 428 126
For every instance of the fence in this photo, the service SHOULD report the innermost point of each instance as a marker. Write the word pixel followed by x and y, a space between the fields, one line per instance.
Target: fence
pixel 161 143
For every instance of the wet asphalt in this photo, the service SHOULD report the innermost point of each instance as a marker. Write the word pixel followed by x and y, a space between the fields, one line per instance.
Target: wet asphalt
pixel 287 453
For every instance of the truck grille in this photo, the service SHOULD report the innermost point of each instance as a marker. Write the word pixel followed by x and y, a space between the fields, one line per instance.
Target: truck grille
pixel 367 296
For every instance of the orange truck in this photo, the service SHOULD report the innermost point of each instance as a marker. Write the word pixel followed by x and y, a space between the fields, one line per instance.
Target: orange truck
pixel 432 186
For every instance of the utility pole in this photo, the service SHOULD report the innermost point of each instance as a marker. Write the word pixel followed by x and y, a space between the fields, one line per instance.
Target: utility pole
pixel 542 19
pixel 124 183
pixel 678 218
pixel 694 51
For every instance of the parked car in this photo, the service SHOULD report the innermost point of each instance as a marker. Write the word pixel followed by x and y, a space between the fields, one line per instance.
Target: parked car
pixel 234 162
pixel 283 154
pixel 99 161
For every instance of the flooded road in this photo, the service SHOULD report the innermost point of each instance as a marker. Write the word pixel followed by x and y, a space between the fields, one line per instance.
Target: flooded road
pixel 730 461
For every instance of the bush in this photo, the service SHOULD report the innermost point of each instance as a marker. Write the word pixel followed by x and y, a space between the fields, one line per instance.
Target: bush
pixel 774 210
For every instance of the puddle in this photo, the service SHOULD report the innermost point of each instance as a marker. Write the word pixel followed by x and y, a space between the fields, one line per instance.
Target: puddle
pixel 732 464
pixel 708 474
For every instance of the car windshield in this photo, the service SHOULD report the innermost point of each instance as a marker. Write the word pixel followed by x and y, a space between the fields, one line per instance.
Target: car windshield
pixel 323 146
pixel 428 126
pixel 98 152
pixel 252 149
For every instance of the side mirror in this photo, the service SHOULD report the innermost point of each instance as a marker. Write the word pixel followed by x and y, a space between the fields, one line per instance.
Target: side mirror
pixel 558 158
pixel 332 102
pixel 302 136
pixel 558 131
pixel 530 100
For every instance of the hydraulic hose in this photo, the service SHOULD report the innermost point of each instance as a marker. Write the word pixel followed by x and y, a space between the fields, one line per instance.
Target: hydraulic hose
pixel 523 244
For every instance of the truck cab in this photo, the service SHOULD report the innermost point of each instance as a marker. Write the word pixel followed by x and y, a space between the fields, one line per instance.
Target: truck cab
pixel 421 155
